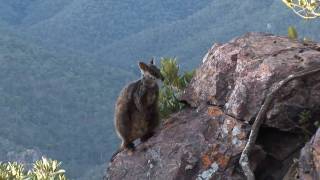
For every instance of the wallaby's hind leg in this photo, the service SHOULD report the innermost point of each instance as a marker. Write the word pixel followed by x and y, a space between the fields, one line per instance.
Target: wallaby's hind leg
pixel 129 146
pixel 154 121
pixel 126 143
pixel 124 126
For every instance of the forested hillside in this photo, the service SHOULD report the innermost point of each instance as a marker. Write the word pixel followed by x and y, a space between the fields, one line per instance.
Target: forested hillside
pixel 60 105
pixel 189 39
pixel 86 25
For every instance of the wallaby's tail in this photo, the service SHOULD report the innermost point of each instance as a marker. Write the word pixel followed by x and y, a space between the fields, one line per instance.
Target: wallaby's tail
pixel 106 177
pixel 115 154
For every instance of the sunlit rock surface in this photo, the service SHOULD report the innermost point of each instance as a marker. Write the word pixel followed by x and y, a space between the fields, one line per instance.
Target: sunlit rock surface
pixel 238 75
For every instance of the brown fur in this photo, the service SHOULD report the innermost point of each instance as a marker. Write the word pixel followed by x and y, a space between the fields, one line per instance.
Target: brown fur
pixel 136 111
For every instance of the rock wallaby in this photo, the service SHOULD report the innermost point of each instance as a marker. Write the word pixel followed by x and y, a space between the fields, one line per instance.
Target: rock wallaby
pixel 136 109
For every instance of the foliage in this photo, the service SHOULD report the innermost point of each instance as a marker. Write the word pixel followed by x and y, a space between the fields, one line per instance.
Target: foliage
pixel 317 123
pixel 307 9
pixel 172 87
pixel 304 117
pixel 307 122
pixel 44 169
pixel 11 171
pixel 292 33
pixel 47 169
pixel 55 103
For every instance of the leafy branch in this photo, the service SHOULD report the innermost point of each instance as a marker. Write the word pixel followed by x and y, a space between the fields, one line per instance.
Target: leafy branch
pixel 307 9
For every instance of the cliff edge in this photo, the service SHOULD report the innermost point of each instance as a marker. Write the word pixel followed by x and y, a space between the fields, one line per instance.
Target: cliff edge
pixel 205 141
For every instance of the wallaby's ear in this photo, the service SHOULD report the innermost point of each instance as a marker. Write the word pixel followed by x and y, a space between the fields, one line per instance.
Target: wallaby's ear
pixel 143 66
pixel 152 61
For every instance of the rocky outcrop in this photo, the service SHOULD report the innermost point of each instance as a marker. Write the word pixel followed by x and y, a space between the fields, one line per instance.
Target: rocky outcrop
pixel 190 145
pixel 205 141
pixel 238 75
pixel 309 162
pixel 308 165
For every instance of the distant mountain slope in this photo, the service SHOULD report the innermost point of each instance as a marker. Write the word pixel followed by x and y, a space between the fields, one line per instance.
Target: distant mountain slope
pixel 189 39
pixel 7 14
pixel 6 147
pixel 59 105
pixel 41 10
pixel 25 13
pixel 85 25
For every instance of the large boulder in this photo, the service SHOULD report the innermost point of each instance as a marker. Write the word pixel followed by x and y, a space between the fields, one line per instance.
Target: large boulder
pixel 238 75
pixel 205 141
pixel 309 162
pixel 190 145
pixel 308 165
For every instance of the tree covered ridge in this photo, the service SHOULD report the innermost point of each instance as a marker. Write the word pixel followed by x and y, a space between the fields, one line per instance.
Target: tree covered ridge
pixel 60 105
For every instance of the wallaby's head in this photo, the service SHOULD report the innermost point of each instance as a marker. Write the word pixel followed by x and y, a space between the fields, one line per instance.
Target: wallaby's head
pixel 150 71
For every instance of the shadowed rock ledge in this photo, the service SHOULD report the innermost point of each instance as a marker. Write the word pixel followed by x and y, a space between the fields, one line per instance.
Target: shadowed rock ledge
pixel 205 141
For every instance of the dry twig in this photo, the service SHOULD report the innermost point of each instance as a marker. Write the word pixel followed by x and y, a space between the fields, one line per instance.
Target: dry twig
pixel 244 159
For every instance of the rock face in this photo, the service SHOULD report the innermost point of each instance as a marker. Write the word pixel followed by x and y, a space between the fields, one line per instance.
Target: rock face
pixel 205 141
pixel 190 145
pixel 309 162
pixel 238 75
pixel 308 166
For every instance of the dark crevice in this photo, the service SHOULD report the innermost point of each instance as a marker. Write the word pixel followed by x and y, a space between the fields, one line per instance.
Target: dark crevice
pixel 281 148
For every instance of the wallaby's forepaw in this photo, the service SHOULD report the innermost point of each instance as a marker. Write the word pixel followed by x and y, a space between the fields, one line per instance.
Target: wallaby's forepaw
pixel 130 152
pixel 130 148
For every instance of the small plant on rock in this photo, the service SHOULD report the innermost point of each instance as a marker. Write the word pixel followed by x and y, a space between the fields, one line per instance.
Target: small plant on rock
pixel 173 86
pixel 292 33
pixel 12 171
pixel 44 169
pixel 47 169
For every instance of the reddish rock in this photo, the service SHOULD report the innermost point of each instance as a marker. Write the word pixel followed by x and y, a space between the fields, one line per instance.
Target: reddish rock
pixel 309 162
pixel 307 167
pixel 194 145
pixel 238 75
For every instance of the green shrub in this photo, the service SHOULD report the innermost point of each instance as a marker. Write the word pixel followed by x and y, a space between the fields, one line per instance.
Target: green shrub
pixel 292 33
pixel 307 123
pixel 47 169
pixel 172 87
pixel 304 117
pixel 44 169
pixel 12 171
